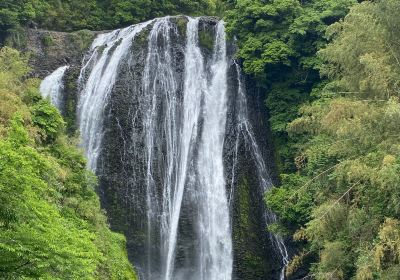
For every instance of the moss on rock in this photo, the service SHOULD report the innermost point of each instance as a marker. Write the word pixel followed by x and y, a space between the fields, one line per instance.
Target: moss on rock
pixel 47 40
pixel 70 99
pixel 83 39
pixel 181 23
pixel 206 39
pixel 249 236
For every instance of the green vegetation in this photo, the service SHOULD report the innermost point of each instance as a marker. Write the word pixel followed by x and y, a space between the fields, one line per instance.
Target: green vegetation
pixel 206 40
pixel 47 40
pixel 51 225
pixel 83 39
pixel 278 41
pixel 70 15
pixel 342 202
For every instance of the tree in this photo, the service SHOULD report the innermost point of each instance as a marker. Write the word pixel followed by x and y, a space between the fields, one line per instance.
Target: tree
pixel 349 157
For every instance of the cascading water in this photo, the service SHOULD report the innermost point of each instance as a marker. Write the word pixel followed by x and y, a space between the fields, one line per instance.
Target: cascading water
pixel 103 64
pixel 52 86
pixel 214 224
pixel 154 116
pixel 159 80
pixel 214 260
pixel 245 127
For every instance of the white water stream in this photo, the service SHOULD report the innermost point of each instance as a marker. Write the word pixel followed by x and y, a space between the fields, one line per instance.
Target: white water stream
pixel 97 87
pixel 51 87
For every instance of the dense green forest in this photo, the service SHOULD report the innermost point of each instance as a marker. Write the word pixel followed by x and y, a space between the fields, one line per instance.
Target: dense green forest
pixel 330 71
pixel 342 202
pixel 69 15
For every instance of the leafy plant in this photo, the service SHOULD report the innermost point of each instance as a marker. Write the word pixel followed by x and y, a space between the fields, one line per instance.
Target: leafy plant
pixel 51 224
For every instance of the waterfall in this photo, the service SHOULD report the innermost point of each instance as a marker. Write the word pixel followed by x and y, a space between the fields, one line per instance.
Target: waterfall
pixel 216 244
pixel 153 115
pixel 266 184
pixel 182 136
pixel 52 86
pixel 194 87
pixel 107 52
pixel 159 80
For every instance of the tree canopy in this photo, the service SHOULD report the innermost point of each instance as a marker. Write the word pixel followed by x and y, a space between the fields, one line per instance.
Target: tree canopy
pixel 278 42
pixel 343 201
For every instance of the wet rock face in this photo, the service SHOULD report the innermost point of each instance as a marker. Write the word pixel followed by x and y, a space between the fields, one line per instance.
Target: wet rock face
pixel 255 258
pixel 122 171
pixel 122 163
pixel 50 50
pixel 254 255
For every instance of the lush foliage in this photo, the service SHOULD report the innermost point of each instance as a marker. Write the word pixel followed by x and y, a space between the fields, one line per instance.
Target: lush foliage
pixel 278 41
pixel 51 225
pixel 343 203
pixel 70 15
